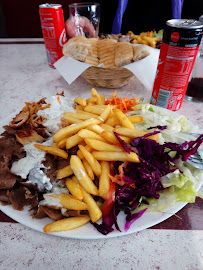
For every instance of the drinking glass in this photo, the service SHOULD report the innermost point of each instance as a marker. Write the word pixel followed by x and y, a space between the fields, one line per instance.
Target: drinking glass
pixel 85 18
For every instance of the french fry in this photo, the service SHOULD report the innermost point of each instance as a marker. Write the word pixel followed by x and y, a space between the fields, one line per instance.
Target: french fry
pixel 144 42
pixel 96 167
pixel 123 119
pixel 66 224
pixel 93 109
pixel 71 120
pixel 109 137
pixel 52 150
pixel 95 94
pixel 103 106
pixel 85 133
pixel 116 156
pixel 136 119
pixel 73 141
pixel 151 41
pixel 94 210
pixel 91 99
pixel 90 104
pixel 103 146
pixel 91 115
pixel 81 116
pixel 106 127
pixel 62 143
pixel 102 99
pixel 88 169
pixel 80 101
pixel 79 153
pixel 79 107
pixel 135 41
pixel 134 133
pixel 69 202
pixel 104 180
pixel 95 128
pixel 139 39
pixel 114 94
pixel 105 114
pixel 70 130
pixel 64 172
pixel 55 145
pixel 112 120
pixel 74 189
pixel 80 173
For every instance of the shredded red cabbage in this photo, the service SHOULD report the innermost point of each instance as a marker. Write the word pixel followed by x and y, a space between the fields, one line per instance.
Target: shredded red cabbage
pixel 158 127
pixel 122 143
pixel 132 217
pixel 142 180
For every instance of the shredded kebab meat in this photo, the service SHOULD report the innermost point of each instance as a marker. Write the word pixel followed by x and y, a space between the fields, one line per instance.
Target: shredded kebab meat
pixel 28 127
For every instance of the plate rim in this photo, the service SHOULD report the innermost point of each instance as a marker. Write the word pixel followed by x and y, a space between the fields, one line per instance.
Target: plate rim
pixel 163 215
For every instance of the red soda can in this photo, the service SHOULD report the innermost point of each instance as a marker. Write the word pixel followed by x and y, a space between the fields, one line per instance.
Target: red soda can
pixel 53 29
pixel 178 51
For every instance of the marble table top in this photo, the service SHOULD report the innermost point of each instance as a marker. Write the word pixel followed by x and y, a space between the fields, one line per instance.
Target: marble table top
pixel 26 76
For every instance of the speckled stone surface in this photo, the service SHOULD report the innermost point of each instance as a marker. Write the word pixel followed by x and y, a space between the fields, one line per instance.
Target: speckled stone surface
pixel 22 248
pixel 26 76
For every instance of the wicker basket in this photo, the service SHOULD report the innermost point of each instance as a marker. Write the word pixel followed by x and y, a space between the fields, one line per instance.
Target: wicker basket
pixel 107 77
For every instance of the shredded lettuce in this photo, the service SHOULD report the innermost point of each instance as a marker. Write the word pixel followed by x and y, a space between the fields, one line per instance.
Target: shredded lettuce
pixel 186 193
pixel 175 178
pixel 163 177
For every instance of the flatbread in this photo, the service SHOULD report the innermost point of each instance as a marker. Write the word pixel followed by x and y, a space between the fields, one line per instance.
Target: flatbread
pixel 140 52
pixel 77 48
pixel 123 54
pixel 106 52
pixel 92 56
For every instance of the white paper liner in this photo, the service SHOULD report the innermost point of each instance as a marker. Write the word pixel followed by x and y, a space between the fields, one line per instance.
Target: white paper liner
pixel 145 69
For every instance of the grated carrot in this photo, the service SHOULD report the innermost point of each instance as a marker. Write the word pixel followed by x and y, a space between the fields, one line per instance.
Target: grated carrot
pixel 59 100
pixel 124 104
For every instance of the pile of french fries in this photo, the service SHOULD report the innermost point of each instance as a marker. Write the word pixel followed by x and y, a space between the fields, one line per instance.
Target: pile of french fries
pixel 147 38
pixel 91 127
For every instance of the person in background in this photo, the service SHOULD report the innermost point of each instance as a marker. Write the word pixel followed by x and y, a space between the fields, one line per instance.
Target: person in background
pixel 121 16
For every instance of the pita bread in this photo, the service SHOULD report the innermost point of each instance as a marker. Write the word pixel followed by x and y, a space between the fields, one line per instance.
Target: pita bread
pixel 92 56
pixel 106 52
pixel 77 48
pixel 140 52
pixel 123 54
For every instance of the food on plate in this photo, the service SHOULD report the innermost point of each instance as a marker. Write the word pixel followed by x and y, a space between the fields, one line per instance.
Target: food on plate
pixel 122 156
pixel 106 52
pixel 150 38
pixel 119 37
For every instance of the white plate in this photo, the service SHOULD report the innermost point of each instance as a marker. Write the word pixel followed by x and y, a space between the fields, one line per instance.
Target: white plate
pixel 147 220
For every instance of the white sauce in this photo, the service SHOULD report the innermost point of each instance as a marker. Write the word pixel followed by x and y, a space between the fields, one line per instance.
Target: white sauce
pixel 48 200
pixel 33 159
pixel 55 112
pixel 58 189
pixel 37 176
pixel 63 210
pixel 31 165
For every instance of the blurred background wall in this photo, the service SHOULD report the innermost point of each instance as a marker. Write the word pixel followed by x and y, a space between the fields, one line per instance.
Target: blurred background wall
pixel 20 18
